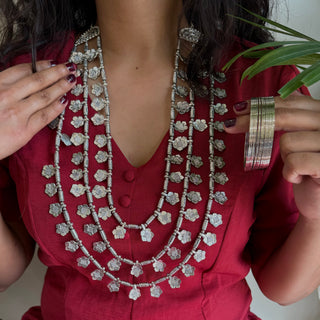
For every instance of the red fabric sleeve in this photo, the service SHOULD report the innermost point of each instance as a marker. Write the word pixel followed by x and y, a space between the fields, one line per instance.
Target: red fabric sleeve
pixel 8 198
pixel 275 209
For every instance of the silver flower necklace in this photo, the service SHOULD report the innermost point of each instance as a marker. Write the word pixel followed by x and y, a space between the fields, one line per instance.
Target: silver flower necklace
pixel 103 176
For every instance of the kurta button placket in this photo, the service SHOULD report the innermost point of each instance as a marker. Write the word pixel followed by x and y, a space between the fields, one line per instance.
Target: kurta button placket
pixel 125 201
pixel 129 175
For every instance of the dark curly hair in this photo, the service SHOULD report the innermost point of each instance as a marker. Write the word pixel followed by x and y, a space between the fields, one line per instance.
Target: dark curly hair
pixel 29 25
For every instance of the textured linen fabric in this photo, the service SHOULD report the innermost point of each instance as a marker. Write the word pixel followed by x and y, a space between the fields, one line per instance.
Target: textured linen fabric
pixel 257 218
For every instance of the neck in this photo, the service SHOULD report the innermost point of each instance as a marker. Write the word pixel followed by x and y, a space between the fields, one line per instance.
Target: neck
pixel 139 30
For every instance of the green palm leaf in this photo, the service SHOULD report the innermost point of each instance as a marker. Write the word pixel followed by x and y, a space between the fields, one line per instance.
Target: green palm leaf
pixel 280 56
pixel 303 52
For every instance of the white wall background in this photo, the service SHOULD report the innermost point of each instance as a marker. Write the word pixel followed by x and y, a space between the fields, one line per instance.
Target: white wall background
pixel 303 15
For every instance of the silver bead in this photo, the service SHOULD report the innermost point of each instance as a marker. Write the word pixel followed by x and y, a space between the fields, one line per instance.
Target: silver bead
pixel 98 104
pixel 48 171
pixel 176 177
pixel 159 266
pixel 195 179
pixel 180 143
pixel 104 213
pixel 94 73
pixel 101 156
pixel 155 291
pixel 164 217
pixel 174 282
pixel 188 270
pixel 83 211
pixel 90 229
pixel 75 105
pixel 99 246
pixel 194 197
pixel 62 229
pixel 114 264
pixel 200 125
pixel 181 126
pixel 76 174
pixel 114 286
pixel 199 255
pixel 184 236
pixel 99 191
pixel 182 107
pixel 51 189
pixel 215 219
pixel 146 235
pixel 78 190
pixel 77 139
pixel 77 158
pixel 97 89
pixel 209 239
pixel 97 275
pixel 77 57
pixel 71 246
pixel 55 209
pixel 83 262
pixel 77 90
pixel 119 232
pixel 136 270
pixel 190 34
pixel 220 197
pixel 134 293
pixel 196 162
pixel 98 119
pixel 174 253
pixel 172 198
pixel 77 122
pixel 220 109
pixel 192 214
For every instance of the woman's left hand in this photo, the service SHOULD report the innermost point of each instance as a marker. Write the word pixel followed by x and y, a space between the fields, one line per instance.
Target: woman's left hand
pixel 299 117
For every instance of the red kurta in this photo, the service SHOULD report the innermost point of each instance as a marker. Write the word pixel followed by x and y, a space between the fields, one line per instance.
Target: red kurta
pixel 257 217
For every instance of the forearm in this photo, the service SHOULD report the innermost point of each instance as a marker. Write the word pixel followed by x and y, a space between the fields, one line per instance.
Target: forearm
pixel 293 271
pixel 15 251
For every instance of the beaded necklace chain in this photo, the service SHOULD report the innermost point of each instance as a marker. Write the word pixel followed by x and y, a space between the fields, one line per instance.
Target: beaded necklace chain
pixel 101 102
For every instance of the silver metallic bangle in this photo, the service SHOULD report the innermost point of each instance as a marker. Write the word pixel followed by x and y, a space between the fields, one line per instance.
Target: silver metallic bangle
pixel 259 139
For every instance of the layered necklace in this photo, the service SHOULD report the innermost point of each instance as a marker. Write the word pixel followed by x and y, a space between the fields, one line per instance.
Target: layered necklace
pixel 177 142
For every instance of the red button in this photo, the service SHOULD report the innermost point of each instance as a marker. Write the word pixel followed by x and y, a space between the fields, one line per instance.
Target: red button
pixel 125 201
pixel 129 175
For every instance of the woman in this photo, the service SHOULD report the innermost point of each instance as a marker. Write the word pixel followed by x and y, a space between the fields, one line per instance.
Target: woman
pixel 155 222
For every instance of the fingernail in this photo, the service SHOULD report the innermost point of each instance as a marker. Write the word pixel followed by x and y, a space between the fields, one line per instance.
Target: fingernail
pixel 241 106
pixel 71 78
pixel 53 63
pixel 230 123
pixel 71 66
pixel 63 100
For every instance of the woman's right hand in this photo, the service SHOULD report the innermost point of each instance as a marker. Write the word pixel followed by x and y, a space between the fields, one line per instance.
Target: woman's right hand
pixel 29 101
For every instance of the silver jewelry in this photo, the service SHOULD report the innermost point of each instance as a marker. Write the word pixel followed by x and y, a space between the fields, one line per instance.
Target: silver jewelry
pixel 259 139
pixel 104 178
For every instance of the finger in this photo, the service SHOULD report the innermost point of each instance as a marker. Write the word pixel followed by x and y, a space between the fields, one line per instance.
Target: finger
pixel 295 101
pixel 301 164
pixel 38 81
pixel 44 116
pixel 285 119
pixel 15 73
pixel 42 99
pixel 296 119
pixel 302 141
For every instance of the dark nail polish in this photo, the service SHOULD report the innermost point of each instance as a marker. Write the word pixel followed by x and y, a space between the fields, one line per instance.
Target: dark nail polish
pixel 63 100
pixel 53 63
pixel 71 78
pixel 241 106
pixel 71 67
pixel 230 123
